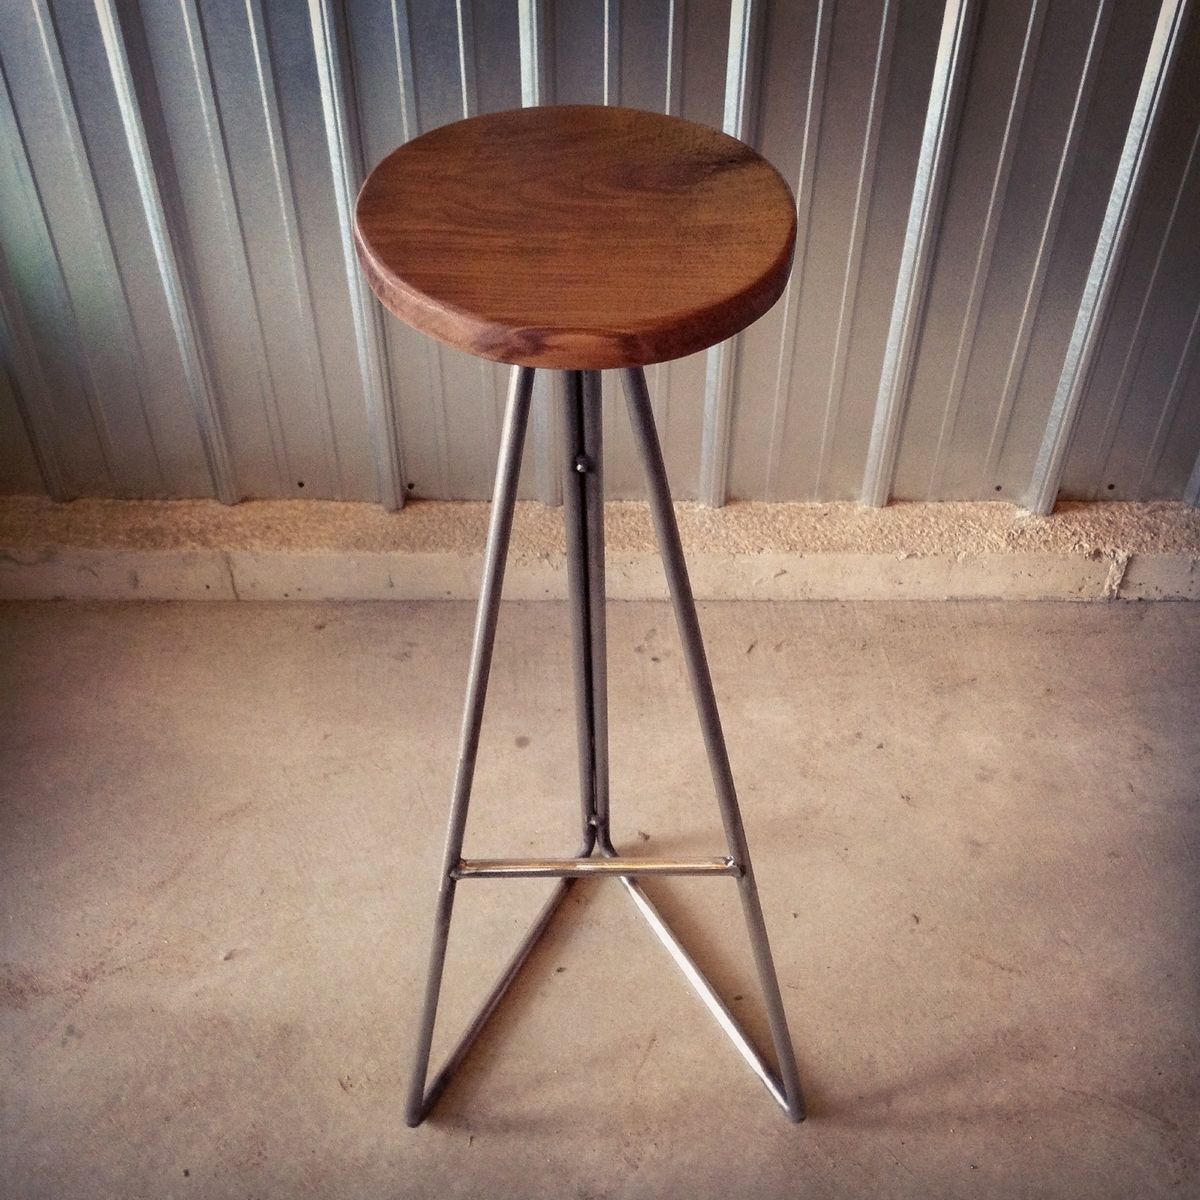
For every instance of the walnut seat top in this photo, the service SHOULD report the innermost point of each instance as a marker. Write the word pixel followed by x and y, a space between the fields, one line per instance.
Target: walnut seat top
pixel 579 237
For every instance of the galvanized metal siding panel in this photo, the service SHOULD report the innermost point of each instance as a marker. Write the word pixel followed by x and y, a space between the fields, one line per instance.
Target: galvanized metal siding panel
pixel 109 313
pixel 154 441
pixel 182 316
pixel 1093 231
pixel 278 232
pixel 1005 59
pixel 1138 433
pixel 384 75
pixel 318 269
pixel 845 90
pixel 19 473
pixel 576 44
pixel 792 108
pixel 192 151
pixel 38 328
pixel 1104 268
pixel 22 472
pixel 1022 215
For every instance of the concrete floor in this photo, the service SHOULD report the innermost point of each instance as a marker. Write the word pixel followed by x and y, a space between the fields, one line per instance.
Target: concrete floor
pixel 975 827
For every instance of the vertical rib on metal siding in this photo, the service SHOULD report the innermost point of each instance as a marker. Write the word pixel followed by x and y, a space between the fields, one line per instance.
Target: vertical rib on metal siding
pixel 20 473
pixel 814 102
pixel 741 82
pixel 209 421
pixel 983 262
pixel 1135 352
pixel 941 123
pixel 846 127
pixel 283 186
pixel 68 278
pixel 1012 184
pixel 347 177
pixel 21 226
pixel 858 232
pixel 1191 493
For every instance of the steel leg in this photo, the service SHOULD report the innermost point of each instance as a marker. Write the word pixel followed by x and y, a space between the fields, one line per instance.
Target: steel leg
pixel 508 468
pixel 642 419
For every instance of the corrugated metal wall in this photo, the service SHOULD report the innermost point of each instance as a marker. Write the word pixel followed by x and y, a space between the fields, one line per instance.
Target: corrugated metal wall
pixel 996 290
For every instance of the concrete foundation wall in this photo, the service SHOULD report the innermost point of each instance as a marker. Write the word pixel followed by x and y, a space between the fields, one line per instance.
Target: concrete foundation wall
pixel 276 550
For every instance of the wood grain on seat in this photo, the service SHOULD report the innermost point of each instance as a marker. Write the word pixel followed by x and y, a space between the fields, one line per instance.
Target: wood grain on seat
pixel 578 237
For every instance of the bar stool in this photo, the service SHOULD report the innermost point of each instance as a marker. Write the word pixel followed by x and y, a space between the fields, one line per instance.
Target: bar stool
pixel 583 238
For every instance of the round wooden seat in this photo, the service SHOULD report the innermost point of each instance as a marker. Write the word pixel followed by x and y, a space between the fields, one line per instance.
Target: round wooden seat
pixel 578 237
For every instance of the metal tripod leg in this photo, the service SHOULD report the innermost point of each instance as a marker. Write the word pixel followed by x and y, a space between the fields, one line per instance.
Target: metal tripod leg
pixel 512 439
pixel 641 416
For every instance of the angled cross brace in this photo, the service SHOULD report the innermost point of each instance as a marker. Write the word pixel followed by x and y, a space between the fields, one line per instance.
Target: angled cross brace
pixel 583 502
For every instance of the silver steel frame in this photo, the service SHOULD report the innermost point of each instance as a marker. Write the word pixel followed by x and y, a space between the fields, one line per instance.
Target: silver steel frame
pixel 583 502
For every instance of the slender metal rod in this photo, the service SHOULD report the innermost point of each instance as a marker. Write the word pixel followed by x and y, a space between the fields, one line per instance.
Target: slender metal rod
pixel 641 417
pixel 567 868
pixel 455 1058
pixel 593 507
pixel 512 440
pixel 575 463
pixel 706 992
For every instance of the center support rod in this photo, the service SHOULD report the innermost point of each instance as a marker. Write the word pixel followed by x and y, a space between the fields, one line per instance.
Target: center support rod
pixel 583 505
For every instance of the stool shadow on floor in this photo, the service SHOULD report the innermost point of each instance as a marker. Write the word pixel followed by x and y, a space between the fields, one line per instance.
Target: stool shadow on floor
pixel 945 1094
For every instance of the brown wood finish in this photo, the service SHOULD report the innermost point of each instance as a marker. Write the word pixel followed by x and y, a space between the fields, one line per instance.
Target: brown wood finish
pixel 577 237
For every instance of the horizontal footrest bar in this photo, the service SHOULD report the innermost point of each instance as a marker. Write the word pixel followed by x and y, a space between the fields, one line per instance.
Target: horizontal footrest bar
pixel 573 868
